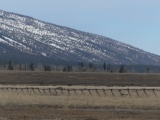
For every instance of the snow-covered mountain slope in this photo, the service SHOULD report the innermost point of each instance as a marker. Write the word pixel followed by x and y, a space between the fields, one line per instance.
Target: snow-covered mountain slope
pixel 31 37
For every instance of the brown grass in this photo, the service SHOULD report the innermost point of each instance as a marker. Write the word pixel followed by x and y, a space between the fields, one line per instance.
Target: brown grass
pixel 83 107
pixel 81 101
pixel 71 78
pixel 20 106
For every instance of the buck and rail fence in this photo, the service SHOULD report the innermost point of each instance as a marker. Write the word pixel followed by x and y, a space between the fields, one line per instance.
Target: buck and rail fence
pixel 59 91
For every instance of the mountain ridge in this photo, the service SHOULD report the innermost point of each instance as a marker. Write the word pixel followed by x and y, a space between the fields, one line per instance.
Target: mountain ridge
pixel 33 37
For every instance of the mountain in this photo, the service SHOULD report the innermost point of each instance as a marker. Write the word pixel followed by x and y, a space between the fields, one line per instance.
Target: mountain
pixel 25 39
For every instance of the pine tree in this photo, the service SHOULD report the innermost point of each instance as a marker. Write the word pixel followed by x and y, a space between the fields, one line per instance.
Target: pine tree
pixel 10 66
pixel 64 69
pixel 47 68
pixel 90 65
pixel 81 66
pixel 104 66
pixel 69 68
pixel 147 70
pixel 31 67
pixel 122 69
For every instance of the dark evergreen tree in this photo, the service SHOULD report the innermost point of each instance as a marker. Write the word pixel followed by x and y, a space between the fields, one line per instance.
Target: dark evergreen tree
pixel 147 70
pixel 81 66
pixel 10 66
pixel 31 67
pixel 69 68
pixel 47 68
pixel 64 69
pixel 104 66
pixel 122 69
pixel 90 66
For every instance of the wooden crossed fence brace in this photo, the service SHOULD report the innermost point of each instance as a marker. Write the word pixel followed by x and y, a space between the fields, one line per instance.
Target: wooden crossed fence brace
pixel 112 92
pixel 154 92
pixel 145 92
pixel 43 91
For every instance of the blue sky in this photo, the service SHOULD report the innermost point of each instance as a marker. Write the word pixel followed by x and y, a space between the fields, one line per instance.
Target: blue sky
pixel 136 22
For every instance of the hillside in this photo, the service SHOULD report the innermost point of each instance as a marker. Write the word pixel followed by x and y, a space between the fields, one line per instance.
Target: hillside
pixel 25 39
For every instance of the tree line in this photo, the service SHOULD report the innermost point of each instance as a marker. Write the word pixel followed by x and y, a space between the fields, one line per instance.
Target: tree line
pixel 80 67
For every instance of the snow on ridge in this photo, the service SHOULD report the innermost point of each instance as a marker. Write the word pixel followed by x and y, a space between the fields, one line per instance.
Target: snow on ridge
pixel 44 54
pixel 28 34
pixel 2 41
pixel 14 43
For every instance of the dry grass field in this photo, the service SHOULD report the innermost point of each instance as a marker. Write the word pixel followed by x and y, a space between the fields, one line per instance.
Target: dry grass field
pixel 19 105
pixel 84 78
pixel 16 104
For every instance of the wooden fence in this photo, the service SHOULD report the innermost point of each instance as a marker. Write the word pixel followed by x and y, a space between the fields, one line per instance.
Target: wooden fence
pixel 121 92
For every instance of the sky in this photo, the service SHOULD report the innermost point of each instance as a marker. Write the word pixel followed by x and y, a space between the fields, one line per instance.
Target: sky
pixel 135 22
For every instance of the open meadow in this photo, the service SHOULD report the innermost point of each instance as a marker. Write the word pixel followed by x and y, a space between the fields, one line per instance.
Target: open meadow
pixel 76 78
pixel 79 96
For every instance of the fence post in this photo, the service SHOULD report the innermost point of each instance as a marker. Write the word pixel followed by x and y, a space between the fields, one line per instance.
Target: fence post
pixel 22 90
pixel 89 92
pixel 97 92
pixel 75 91
pixel 28 91
pixel 137 93
pixel 154 92
pixel 112 92
pixel 145 92
pixel 129 92
pixel 104 92
pixel 82 91
pixel 120 92
pixel 69 92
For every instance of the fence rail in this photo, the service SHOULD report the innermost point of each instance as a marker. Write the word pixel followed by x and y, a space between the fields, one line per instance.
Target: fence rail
pixel 122 92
